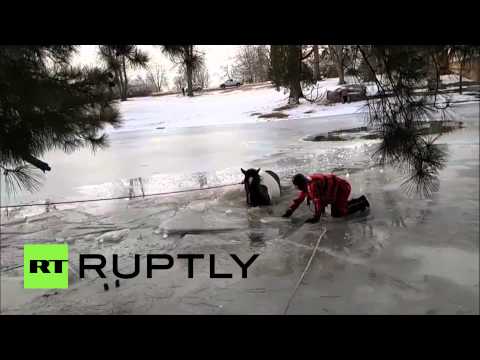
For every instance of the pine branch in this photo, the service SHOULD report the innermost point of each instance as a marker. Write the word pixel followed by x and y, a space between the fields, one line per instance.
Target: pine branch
pixel 37 163
pixel 20 178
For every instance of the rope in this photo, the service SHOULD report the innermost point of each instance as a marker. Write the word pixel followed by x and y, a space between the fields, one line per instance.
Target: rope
pixel 11 268
pixel 304 271
pixel 120 197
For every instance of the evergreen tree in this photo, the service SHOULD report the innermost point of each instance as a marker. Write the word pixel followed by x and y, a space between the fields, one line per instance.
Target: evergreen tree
pixel 294 69
pixel 118 58
pixel 288 69
pixel 399 112
pixel 188 57
pixel 46 104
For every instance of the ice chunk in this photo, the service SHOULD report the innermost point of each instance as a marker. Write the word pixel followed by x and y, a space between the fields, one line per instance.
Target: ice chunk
pixel 161 231
pixel 113 236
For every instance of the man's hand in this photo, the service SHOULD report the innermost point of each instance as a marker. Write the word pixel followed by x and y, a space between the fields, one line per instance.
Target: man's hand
pixel 313 220
pixel 288 213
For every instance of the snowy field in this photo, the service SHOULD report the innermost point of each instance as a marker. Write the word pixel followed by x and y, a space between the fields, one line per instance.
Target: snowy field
pixel 223 107
pixel 404 255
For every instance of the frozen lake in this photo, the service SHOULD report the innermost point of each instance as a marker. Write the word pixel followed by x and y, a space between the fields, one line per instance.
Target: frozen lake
pixel 405 255
pixel 173 157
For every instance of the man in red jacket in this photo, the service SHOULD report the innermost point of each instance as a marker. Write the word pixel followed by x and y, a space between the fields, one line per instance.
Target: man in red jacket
pixel 325 189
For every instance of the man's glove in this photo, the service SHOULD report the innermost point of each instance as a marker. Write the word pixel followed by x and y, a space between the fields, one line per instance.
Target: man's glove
pixel 313 220
pixel 288 213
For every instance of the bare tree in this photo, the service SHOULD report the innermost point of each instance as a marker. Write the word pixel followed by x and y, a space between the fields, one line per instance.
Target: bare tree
pixel 140 86
pixel 251 64
pixel 156 75
pixel 201 78
pixel 179 81
pixel 227 71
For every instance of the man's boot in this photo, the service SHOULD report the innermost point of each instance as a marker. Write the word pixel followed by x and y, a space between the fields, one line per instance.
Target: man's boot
pixel 364 199
pixel 359 204
pixel 354 201
pixel 361 199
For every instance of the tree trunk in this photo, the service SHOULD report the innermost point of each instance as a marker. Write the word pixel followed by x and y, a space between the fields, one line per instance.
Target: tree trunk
pixel 443 62
pixel 117 73
pixel 316 63
pixel 338 59
pixel 119 82
pixel 461 76
pixel 125 81
pixel 294 65
pixel 189 80
pixel 341 77
pixel 189 70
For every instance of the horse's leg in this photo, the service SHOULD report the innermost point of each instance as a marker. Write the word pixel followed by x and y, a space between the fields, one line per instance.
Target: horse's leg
pixel 264 196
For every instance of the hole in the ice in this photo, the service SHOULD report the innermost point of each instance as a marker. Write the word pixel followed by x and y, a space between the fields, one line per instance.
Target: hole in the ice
pixel 344 135
pixel 275 114
pixel 367 133
pixel 256 238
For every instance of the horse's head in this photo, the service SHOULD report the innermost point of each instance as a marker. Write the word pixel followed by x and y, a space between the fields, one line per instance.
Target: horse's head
pixel 251 182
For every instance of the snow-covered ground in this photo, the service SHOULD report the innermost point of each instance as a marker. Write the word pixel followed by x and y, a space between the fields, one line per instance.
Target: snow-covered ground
pixel 223 107
pixel 240 106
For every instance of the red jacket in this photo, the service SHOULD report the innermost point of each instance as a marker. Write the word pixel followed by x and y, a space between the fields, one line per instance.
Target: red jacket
pixel 322 190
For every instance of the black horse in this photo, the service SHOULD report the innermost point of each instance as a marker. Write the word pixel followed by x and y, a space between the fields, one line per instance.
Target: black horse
pixel 261 188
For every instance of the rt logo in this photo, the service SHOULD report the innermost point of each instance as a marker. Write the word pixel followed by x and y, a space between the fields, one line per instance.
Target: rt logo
pixel 45 266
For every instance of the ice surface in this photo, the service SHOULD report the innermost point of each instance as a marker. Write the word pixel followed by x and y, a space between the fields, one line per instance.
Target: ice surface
pixel 404 255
